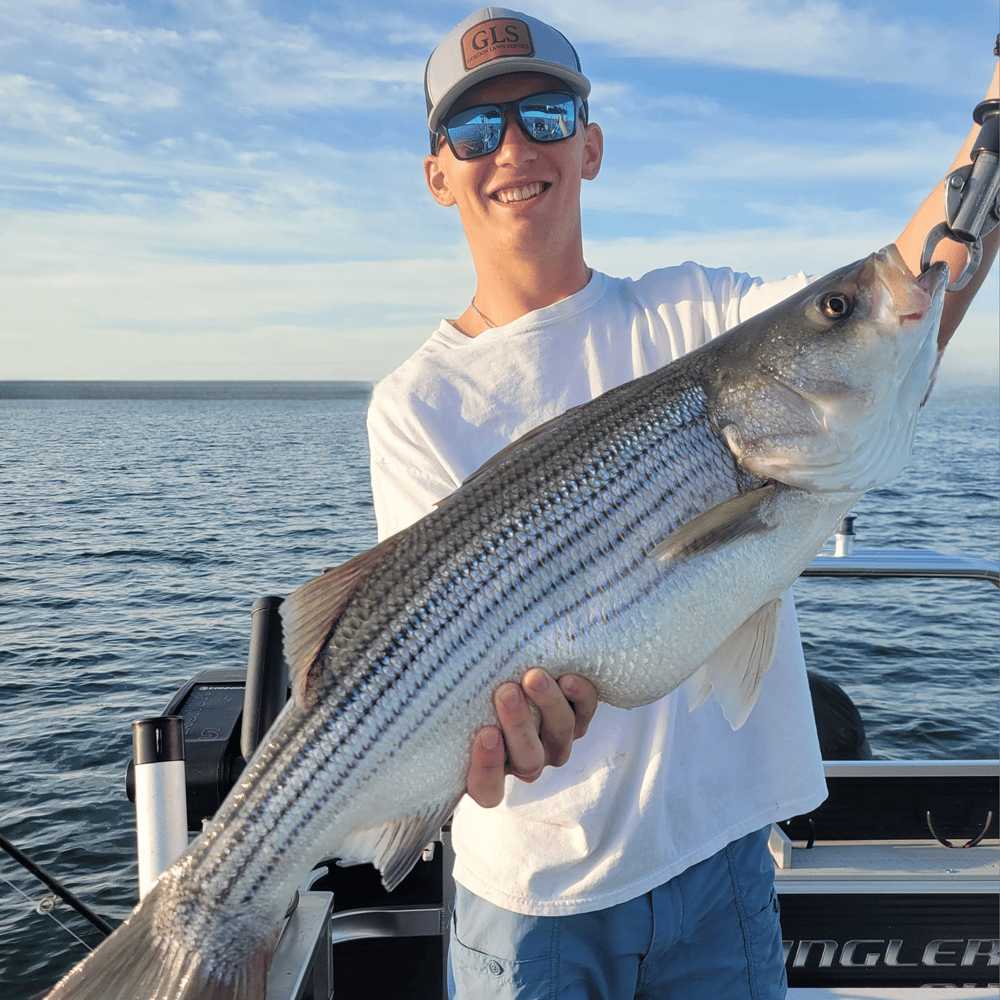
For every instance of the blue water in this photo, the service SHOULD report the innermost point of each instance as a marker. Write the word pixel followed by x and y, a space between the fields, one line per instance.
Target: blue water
pixel 135 533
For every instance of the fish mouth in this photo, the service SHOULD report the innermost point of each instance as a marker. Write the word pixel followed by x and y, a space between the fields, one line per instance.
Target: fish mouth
pixel 522 192
pixel 913 298
pixel 935 278
pixel 909 297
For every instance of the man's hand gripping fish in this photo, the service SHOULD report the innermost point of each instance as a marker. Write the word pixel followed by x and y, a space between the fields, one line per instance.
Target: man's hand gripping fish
pixel 643 539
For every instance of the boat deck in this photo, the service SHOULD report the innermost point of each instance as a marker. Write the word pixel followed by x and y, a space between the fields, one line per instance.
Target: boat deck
pixel 914 866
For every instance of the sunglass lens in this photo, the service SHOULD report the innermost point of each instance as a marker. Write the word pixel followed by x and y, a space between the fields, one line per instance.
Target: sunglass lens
pixel 548 117
pixel 475 132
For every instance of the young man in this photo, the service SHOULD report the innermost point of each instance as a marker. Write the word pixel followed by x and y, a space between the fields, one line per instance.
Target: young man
pixel 639 867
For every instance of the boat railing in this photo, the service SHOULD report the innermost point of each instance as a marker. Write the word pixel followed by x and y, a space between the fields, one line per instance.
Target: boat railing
pixel 904 563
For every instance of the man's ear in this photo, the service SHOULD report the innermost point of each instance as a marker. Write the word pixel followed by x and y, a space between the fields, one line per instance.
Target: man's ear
pixel 593 151
pixel 437 181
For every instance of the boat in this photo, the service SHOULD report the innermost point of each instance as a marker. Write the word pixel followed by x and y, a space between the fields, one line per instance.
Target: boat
pixel 893 882
pixel 890 887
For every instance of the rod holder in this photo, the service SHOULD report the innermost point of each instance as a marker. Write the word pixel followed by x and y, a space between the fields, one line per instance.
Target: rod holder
pixel 160 796
pixel 267 675
pixel 844 539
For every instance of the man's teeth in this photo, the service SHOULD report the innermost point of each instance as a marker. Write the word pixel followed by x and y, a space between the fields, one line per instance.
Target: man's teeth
pixel 519 194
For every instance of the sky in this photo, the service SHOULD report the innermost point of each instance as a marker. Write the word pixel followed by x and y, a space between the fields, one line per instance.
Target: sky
pixel 233 189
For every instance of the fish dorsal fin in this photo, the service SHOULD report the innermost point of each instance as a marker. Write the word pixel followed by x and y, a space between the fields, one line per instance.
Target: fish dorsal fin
pixel 309 614
pixel 509 449
pixel 739 517
pixel 500 456
pixel 490 463
pixel 395 847
pixel 735 671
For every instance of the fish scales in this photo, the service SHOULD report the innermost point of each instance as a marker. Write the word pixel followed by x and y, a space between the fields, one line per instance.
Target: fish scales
pixel 526 543
pixel 478 628
pixel 629 539
pixel 388 692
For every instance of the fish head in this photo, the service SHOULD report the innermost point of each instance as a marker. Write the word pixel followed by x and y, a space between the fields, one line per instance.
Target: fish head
pixel 822 391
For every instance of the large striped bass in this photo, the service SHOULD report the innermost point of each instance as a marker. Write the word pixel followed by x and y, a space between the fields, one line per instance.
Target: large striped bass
pixel 643 540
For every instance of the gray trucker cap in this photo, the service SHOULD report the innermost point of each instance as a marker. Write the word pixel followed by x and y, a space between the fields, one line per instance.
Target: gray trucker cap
pixel 493 42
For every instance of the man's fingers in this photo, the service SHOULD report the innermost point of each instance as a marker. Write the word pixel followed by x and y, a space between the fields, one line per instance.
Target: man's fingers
pixel 558 720
pixel 525 752
pixel 487 767
pixel 538 723
pixel 582 695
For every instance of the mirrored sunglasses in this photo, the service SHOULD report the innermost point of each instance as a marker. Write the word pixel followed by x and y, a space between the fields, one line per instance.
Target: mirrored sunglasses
pixel 544 117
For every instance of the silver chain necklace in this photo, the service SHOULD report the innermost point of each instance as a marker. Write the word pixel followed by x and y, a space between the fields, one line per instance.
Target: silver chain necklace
pixel 491 325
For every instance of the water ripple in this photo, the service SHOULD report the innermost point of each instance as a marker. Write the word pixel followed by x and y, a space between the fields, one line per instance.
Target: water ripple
pixel 161 521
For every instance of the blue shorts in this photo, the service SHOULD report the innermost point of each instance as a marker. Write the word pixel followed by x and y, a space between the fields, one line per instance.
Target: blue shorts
pixel 713 931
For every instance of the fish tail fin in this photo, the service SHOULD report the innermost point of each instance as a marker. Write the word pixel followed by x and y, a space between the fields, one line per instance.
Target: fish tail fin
pixel 137 963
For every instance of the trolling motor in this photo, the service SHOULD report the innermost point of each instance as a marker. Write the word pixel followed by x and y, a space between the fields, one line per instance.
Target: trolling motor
pixel 972 195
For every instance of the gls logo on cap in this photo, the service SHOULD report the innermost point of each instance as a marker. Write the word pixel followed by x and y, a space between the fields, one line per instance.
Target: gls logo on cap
pixel 490 40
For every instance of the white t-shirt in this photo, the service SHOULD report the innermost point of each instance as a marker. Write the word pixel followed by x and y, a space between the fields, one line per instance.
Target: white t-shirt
pixel 648 792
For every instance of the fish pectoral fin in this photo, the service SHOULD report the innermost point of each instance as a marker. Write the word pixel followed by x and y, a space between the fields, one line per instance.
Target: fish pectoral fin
pixel 395 847
pixel 309 614
pixel 739 517
pixel 735 671
pixel 697 688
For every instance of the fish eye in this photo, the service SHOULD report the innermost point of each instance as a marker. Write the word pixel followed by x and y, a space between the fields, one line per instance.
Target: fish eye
pixel 835 305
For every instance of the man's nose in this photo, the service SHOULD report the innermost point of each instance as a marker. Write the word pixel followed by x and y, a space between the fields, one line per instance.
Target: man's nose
pixel 515 146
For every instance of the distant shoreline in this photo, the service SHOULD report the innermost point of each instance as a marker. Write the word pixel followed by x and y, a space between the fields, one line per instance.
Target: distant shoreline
pixel 181 389
pixel 222 389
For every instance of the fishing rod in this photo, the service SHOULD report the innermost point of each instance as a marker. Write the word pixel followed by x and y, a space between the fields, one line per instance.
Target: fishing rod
pixel 55 885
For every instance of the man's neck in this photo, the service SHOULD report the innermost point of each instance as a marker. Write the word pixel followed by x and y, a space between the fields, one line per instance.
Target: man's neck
pixel 507 289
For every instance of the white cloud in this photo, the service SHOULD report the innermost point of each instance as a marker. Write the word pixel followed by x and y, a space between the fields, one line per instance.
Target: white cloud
pixel 756 169
pixel 154 96
pixel 156 318
pixel 816 38
pixel 229 57
pixel 181 181
pixel 37 107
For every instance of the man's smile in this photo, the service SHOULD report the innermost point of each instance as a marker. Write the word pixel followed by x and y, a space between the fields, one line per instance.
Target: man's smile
pixel 523 193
